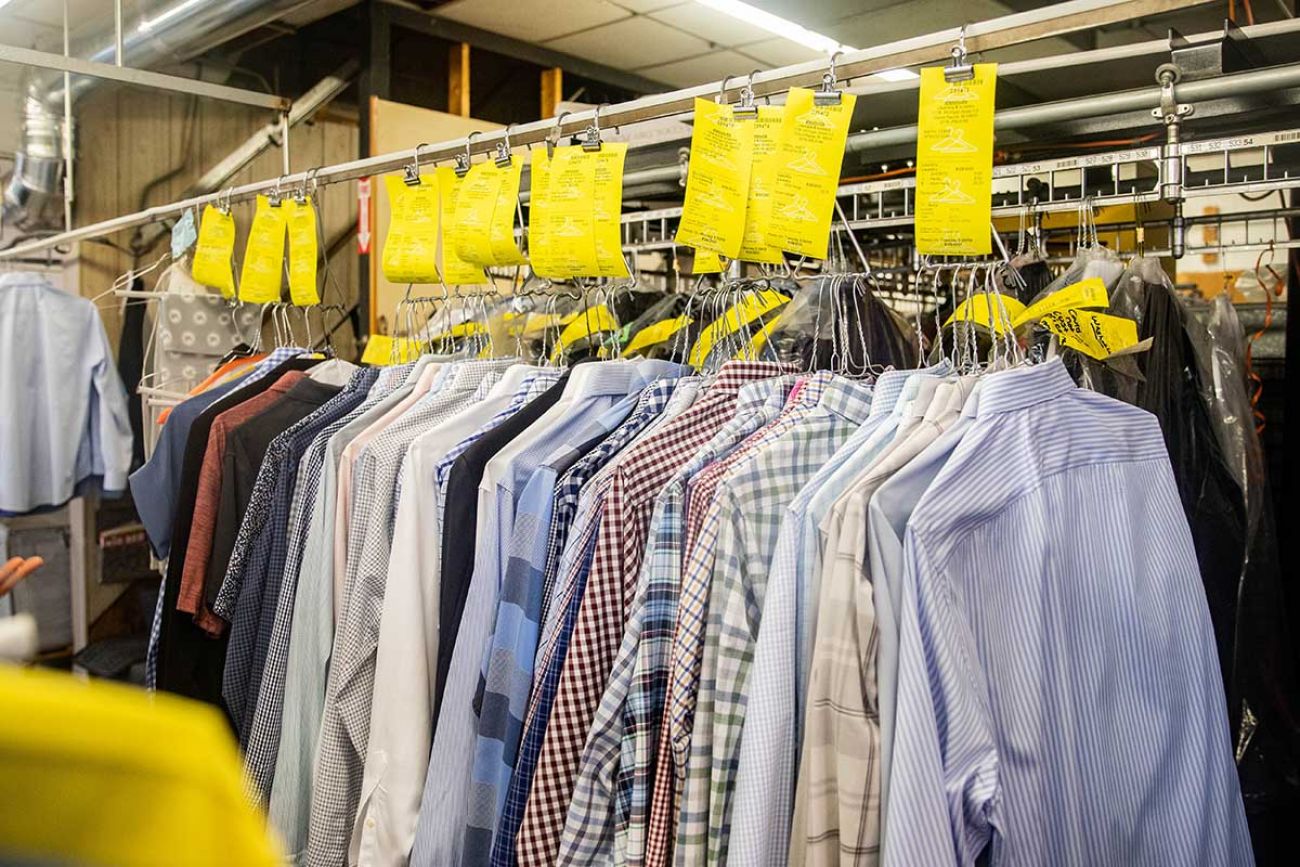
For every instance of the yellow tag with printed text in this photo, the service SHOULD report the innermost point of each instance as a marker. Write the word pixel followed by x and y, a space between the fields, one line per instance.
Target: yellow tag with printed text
pixel 607 209
pixel 568 215
pixel 303 251
pixel 541 253
pixel 262 276
pixel 994 311
pixel 741 314
pixel 717 182
pixel 810 153
pixel 706 262
pixel 455 270
pixel 383 350
pixel 653 335
pixel 593 320
pixel 411 248
pixel 762 176
pixel 476 202
pixel 1097 335
pixel 212 254
pixel 1085 294
pixel 954 163
pixel 505 251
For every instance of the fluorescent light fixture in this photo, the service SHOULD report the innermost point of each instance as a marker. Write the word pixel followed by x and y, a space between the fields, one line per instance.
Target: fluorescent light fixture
pixel 896 75
pixel 775 24
pixel 149 24
pixel 4 3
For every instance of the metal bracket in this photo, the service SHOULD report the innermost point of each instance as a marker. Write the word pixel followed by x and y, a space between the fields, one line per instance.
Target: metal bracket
pixel 1171 112
pixel 683 165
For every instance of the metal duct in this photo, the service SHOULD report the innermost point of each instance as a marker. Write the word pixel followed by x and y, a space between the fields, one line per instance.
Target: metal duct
pixel 176 31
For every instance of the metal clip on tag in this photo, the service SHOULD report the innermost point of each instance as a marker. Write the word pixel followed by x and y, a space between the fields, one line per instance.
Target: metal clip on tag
pixel 591 140
pixel 222 203
pixel 827 94
pixel 554 136
pixel 411 174
pixel 276 196
pixel 747 110
pixel 959 69
pixel 503 149
pixel 308 180
pixel 462 160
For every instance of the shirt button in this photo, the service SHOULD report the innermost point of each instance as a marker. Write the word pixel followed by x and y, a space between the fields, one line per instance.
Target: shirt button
pixel 370 823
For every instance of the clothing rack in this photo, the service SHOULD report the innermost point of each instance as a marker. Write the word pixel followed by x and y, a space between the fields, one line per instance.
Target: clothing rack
pixel 1056 20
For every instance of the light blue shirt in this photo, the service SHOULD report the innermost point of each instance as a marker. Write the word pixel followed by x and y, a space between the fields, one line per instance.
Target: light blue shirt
pixel 1059 695
pixel 63 409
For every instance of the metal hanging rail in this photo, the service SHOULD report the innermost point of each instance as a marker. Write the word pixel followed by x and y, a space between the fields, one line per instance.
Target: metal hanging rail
pixel 1055 20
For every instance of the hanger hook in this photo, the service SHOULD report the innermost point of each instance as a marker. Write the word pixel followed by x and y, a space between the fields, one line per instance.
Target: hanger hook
pixel 411 175
pixel 277 194
pixel 309 184
pixel 721 98
pixel 593 132
pixel 553 137
pixel 827 94
pixel 462 160
pixel 503 147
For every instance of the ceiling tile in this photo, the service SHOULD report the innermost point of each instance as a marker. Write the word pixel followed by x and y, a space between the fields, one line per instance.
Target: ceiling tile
pixel 631 43
pixel 534 21
pixel 643 6
pixel 703 69
pixel 711 25
pixel 780 52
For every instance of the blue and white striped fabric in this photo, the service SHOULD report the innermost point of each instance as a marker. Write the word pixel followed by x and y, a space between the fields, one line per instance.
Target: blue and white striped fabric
pixel 1059 695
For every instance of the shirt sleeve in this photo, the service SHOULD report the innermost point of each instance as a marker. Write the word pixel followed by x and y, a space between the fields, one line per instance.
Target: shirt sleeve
pixel 111 420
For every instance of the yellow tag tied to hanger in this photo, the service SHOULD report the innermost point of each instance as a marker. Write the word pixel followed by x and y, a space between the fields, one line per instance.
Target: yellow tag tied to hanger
pixel 706 262
pixel 471 229
pixel 381 349
pixel 594 320
pixel 954 163
pixel 717 181
pixel 742 313
pixel 762 175
pixel 1097 335
pixel 568 216
pixel 262 276
pixel 212 254
pixel 653 335
pixel 992 310
pixel 607 209
pixel 303 251
pixel 455 270
pixel 1085 294
pixel 810 153
pixel 505 250
pixel 411 247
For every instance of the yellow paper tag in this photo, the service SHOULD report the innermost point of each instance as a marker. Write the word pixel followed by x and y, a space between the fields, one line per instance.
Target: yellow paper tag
pixel 593 320
pixel 706 262
pixel 740 314
pixel 1084 294
pixel 464 329
pixel 762 176
pixel 653 335
pixel 541 250
pixel 455 270
pixel 505 252
pixel 717 183
pixel 263 272
pixel 607 208
pixel 1097 335
pixel 567 216
pixel 994 311
pixel 411 248
pixel 383 350
pixel 954 163
pixel 810 153
pixel 471 229
pixel 212 254
pixel 303 251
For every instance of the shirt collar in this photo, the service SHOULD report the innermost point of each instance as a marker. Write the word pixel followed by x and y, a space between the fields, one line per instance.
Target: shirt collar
pixel 602 378
pixel 1022 387
pixel 466 375
pixel 845 398
pixel 734 374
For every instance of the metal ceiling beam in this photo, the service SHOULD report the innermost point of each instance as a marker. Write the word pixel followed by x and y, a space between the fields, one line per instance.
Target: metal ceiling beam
pixel 404 15
pixel 141 77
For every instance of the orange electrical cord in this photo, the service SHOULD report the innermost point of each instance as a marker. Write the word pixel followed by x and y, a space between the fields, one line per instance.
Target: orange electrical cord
pixel 1256 380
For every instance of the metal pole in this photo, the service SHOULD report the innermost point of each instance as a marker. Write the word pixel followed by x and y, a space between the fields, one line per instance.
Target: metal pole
pixel 117 33
pixel 68 188
pixel 284 143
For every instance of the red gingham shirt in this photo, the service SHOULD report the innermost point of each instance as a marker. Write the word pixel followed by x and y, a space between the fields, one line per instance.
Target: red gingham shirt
pixel 598 631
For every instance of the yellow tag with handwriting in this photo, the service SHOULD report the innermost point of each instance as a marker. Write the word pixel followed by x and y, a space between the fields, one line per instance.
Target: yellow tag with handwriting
pixel 717 182
pixel 762 175
pixel 1097 335
pixel 741 314
pixel 411 248
pixel 653 335
pixel 455 270
pixel 568 215
pixel 1085 294
pixel 541 250
pixel 706 262
pixel 303 251
pixel 810 153
pixel 471 229
pixel 994 311
pixel 384 350
pixel 262 276
pixel 607 209
pixel 212 254
pixel 593 320
pixel 505 250
pixel 954 163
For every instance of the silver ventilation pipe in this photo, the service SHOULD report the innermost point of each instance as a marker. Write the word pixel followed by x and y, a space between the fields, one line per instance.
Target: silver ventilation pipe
pixel 175 32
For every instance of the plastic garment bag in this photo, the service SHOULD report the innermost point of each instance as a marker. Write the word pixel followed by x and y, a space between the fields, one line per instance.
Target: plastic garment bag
pixel 838 323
